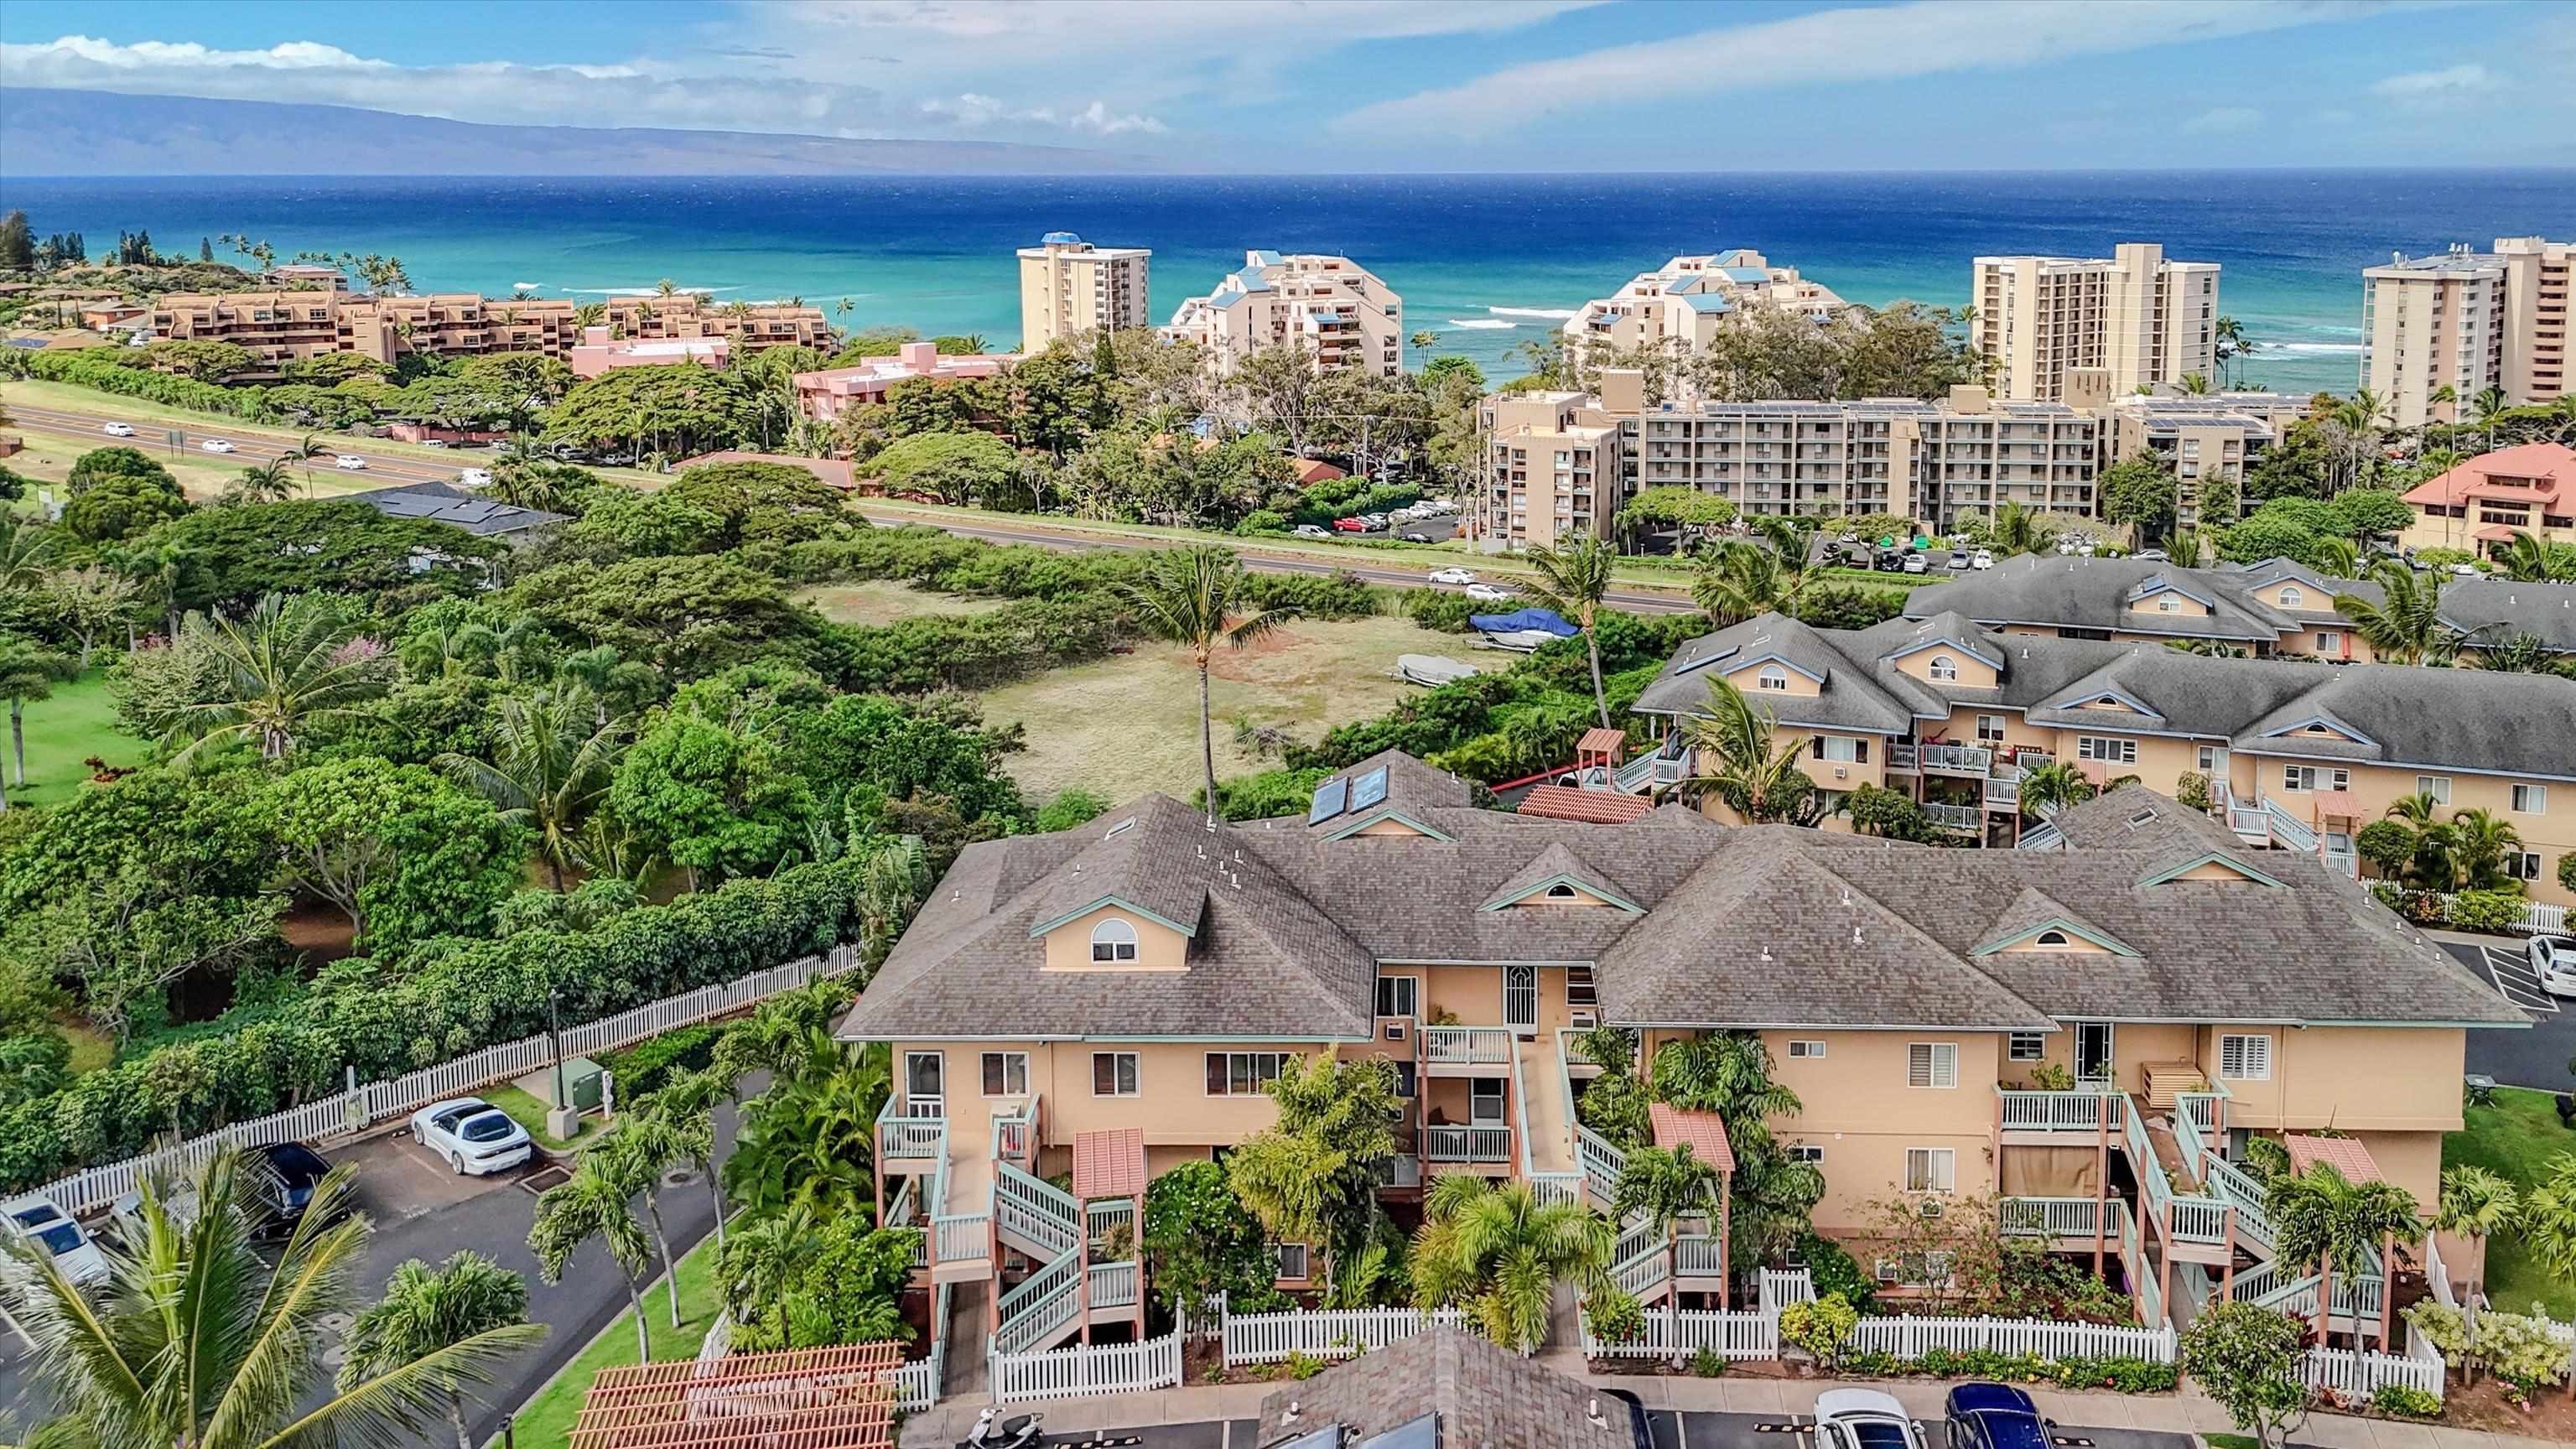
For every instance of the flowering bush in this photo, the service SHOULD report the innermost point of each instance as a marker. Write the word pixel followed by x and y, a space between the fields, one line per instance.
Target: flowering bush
pixel 1820 1327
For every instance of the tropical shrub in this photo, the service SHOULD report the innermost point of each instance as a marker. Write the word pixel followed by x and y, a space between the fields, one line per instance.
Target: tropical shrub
pixel 1708 1363
pixel 1819 1327
pixel 1835 1271
pixel 2490 912
pixel 640 1069
pixel 2407 1401
pixel 1614 1315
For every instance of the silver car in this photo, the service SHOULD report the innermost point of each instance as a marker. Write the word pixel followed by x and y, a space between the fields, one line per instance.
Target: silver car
pixel 472 1136
pixel 42 1225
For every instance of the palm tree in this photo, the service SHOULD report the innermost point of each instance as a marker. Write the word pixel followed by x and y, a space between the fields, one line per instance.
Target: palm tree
pixel 646 1142
pixel 2476 1203
pixel 1195 597
pixel 1743 580
pixel 1762 784
pixel 807 1143
pixel 269 482
pixel 2338 556
pixel 2490 401
pixel 2230 336
pixel 2521 652
pixel 2405 626
pixel 891 887
pixel 1668 1185
pixel 427 1309
pixel 2479 843
pixel 2530 559
pixel 28 671
pixel 282 668
pixel 1499 1252
pixel 1572 581
pixel 26 553
pixel 691 1098
pixel 2319 1215
pixel 2548 1226
pixel 2052 787
pixel 552 759
pixel 594 1203
pixel 2018 530
pixel 198 1341
pixel 2193 384
pixel 756 1269
pixel 1424 340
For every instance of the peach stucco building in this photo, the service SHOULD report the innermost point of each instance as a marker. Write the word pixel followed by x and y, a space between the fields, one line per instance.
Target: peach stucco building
pixel 827 394
pixel 289 326
pixel 2481 504
pixel 2468 321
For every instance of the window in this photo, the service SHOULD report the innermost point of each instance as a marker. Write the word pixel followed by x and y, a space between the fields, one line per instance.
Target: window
pixel 2312 777
pixel 1113 940
pixel 2329 641
pixel 1841 750
pixel 2049 938
pixel 2026 1046
pixel 1397 995
pixel 1945 668
pixel 2437 786
pixel 2209 759
pixel 1930 1169
pixel 924 1075
pixel 1990 729
pixel 1292 1261
pixel 1805 1152
pixel 2291 597
pixel 2107 749
pixel 2531 799
pixel 1241 1074
pixel 2168 604
pixel 1771 679
pixel 2245 1058
pixel 1113 1074
pixel 1006 1074
pixel 1561 892
pixel 1407 1080
pixel 1806 1048
pixel 1931 1064
pixel 2522 864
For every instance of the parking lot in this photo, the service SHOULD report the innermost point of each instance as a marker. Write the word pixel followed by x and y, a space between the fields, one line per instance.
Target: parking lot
pixel 1671 1429
pixel 2535 1058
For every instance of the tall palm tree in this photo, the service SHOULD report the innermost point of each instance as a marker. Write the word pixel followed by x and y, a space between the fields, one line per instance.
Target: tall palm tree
pixel 2548 1223
pixel 1668 1185
pixel 2230 336
pixel 691 1097
pixel 644 1143
pixel 269 482
pixel 1197 597
pixel 1424 340
pixel 2405 626
pixel 427 1309
pixel 757 1267
pixel 2018 530
pixel 1572 581
pixel 1733 744
pixel 282 669
pixel 552 760
pixel 2476 1204
pixel 594 1203
pixel 2323 1217
pixel 2338 556
pixel 26 553
pixel 197 1341
pixel 28 671
pixel 2490 400
pixel 1743 580
pixel 1498 1252
pixel 2530 559
pixel 2052 787
pixel 2479 843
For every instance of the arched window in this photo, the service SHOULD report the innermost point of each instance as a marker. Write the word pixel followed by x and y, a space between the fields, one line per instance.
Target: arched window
pixel 1771 679
pixel 1945 667
pixel 1560 892
pixel 2291 598
pixel 2050 938
pixel 1113 940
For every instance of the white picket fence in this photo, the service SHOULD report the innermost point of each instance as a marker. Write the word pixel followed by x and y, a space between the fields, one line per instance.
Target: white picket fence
pixel 1082 1373
pixel 1908 1337
pixel 2355 1375
pixel 2537 919
pixel 1735 1335
pixel 363 1106
pixel 1329 1333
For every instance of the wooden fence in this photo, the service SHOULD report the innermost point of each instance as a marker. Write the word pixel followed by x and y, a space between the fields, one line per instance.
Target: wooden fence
pixel 363 1105
pixel 2048 1338
pixel 1329 1333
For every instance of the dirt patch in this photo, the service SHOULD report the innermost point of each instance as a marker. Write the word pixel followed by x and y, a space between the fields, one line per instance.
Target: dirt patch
pixel 2551 1417
pixel 319 930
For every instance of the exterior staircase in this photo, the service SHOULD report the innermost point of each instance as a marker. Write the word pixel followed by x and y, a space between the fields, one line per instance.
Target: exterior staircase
pixel 1044 1224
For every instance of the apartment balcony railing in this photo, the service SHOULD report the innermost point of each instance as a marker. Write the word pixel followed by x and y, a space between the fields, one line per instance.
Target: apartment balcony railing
pixel 2062 1111
pixel 910 1134
pixel 2004 793
pixel 1958 759
pixel 2049 1217
pixel 1113 1285
pixel 1701 1255
pixel 1467 1144
pixel 1467 1046
pixel 1904 759
pixel 1955 817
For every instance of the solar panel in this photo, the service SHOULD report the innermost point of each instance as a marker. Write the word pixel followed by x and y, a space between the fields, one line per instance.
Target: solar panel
pixel 1329 798
pixel 407 507
pixel 1369 789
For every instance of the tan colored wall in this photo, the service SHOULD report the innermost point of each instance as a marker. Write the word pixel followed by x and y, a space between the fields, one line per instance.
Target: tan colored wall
pixel 2184 607
pixel 2404 1079
pixel 1158 947
pixel 1856 1106
pixel 1172 1104
pixel 1797 685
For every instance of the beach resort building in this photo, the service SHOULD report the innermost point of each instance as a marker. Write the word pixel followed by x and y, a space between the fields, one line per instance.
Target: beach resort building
pixel 2467 321
pixel 1554 467
pixel 1113 1001
pixel 1329 306
pixel 2203 438
pixel 1069 286
pixel 601 350
pixel 749 326
pixel 827 394
pixel 2137 317
pixel 1679 305
pixel 282 327
pixel 2482 503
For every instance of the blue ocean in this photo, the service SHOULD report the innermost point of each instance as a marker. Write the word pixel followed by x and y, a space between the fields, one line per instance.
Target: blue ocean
pixel 1483 261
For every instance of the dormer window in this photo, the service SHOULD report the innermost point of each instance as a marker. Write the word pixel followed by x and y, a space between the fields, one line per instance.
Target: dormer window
pixel 2291 598
pixel 1945 668
pixel 2049 938
pixel 1113 940
pixel 1770 678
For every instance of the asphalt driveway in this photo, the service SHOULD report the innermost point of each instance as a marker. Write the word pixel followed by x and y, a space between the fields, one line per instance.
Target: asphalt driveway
pixel 2540 1057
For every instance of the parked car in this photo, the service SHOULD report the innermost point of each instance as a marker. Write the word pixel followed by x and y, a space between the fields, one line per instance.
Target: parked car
pixel 1417 538
pixel 1487 593
pixel 217 445
pixel 2152 555
pixel 119 430
pixel 1984 558
pixel 1995 1416
pixel 475 478
pixel 1453 575
pixel 1864 1419
pixel 42 1224
pixel 471 1136
pixel 1916 563
pixel 2553 960
pixel 1887 561
pixel 349 463
pixel 442 442
pixel 2466 571
pixel 294 1170
pixel 1350 525
pixel 1309 530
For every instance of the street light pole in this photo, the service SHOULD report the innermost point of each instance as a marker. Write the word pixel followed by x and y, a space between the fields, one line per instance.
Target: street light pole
pixel 554 1046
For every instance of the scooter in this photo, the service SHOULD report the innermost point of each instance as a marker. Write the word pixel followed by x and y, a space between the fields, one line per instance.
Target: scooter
pixel 990 1433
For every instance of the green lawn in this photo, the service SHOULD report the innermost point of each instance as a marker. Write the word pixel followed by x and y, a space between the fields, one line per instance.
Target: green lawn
pixel 883 601
pixel 545 1422
pixel 2517 1138
pixel 529 1112
pixel 76 722
pixel 91 1048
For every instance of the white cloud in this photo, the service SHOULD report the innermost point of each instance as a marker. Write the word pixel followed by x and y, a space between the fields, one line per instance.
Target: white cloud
pixel 1846 46
pixel 973 111
pixel 2222 120
pixel 2457 80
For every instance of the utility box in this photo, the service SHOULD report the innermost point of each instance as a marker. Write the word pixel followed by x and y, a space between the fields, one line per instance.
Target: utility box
pixel 581 1079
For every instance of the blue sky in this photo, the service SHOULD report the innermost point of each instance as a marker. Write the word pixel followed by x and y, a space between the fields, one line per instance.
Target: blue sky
pixel 1325 85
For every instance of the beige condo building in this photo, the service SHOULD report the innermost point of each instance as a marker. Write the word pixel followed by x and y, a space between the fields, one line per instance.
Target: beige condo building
pixel 2467 321
pixel 282 327
pixel 1069 286
pixel 1330 306
pixel 2136 316
pixel 1681 304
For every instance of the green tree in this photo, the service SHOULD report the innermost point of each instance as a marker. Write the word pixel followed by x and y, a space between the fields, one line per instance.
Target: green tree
pixel 89 603
pixel 964 468
pixel 2480 841
pixel 646 1141
pixel 2548 1225
pixel 28 674
pixel 2476 1204
pixel 404 854
pixel 1770 1195
pixel 1668 1185
pixel 2019 530
pixel 1498 1252
pixel 283 669
pixel 1744 579
pixel 101 464
pixel 2529 558
pixel 269 482
pixel 595 1203
pixel 1733 744
pixel 198 1340
pixel 805 1144
pixel 2320 1216
pixel 17 243
pixel 120 507
pixel 2405 625
pixel 2050 788
pixel 1573 580
pixel 711 798
pixel 1202 1242
pixel 1196 598
pixel 2246 1357
pixel 2141 491
pixel 427 1310
pixel 553 756
pixel 679 410
pixel 1312 1176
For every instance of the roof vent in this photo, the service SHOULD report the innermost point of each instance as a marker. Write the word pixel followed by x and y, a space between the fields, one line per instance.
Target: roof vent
pixel 2141 818
pixel 1125 824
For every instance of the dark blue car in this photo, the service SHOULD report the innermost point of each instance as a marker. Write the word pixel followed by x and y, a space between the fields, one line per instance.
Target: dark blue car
pixel 1995 1416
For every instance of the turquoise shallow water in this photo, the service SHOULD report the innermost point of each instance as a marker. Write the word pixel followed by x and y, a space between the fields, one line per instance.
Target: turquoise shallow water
pixel 1484 261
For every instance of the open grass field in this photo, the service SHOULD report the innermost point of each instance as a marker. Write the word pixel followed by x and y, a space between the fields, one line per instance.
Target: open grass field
pixel 2517 1138
pixel 546 1422
pixel 48 458
pixel 883 601
pixel 1130 723
pixel 78 721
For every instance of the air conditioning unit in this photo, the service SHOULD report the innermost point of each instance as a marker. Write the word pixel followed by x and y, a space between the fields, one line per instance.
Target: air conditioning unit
pixel 1841 774
pixel 1583 1020
pixel 1395 1031
pixel 1929 1207
pixel 1887 1271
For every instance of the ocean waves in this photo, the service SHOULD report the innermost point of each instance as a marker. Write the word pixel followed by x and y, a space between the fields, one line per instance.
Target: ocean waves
pixel 1543 314
pixel 1482 324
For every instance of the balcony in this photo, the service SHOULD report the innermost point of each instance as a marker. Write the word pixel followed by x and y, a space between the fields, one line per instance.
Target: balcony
pixel 2079 1112
pixel 1455 1050
pixel 1955 817
pixel 913 1131
pixel 1454 1149
pixel 1957 759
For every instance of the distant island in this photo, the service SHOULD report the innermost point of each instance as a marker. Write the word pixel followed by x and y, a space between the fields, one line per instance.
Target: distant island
pixel 106 133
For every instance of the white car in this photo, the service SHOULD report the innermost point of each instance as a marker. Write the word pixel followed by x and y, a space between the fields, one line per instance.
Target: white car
pixel 1983 558
pixel 217 445
pixel 118 430
pixel 1311 530
pixel 1864 1419
pixel 2553 960
pixel 2466 571
pixel 471 1136
pixel 1452 575
pixel 349 463
pixel 1487 594
pixel 42 1224
pixel 475 478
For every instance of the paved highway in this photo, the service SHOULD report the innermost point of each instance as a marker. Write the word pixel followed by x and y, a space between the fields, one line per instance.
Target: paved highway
pixel 385 469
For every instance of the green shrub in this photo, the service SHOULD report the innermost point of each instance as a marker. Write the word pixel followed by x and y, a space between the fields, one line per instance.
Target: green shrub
pixel 1872 1363
pixel 1708 1363
pixel 2407 1401
pixel 2489 912
pixel 1615 1316
pixel 1832 1270
pixel 1301 1366
pixel 1819 1327
pixel 638 1071
pixel 2418 908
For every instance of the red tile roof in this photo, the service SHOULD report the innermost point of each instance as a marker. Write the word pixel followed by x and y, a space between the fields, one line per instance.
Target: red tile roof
pixel 799 1398
pixel 2553 464
pixel 1592 807
pixel 1704 1131
pixel 1109 1164
pixel 2344 1154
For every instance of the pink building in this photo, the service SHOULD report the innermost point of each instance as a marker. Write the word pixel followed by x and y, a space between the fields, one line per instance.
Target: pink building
pixel 597 353
pixel 827 394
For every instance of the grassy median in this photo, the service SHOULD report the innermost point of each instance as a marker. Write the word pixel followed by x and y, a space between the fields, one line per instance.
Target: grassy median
pixel 545 1421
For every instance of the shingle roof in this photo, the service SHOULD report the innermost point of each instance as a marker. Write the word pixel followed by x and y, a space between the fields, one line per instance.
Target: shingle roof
pixel 1484 1397
pixel 439 503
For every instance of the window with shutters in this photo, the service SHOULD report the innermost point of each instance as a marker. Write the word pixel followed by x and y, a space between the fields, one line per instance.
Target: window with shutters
pixel 1931 1169
pixel 1931 1064
pixel 1113 1074
pixel 2245 1058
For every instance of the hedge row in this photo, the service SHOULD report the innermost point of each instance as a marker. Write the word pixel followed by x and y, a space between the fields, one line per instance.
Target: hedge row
pixel 929 559
pixel 97 367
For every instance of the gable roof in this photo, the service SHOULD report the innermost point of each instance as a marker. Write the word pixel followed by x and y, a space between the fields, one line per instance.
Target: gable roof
pixel 1478 1396
pixel 2032 914
pixel 1555 865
